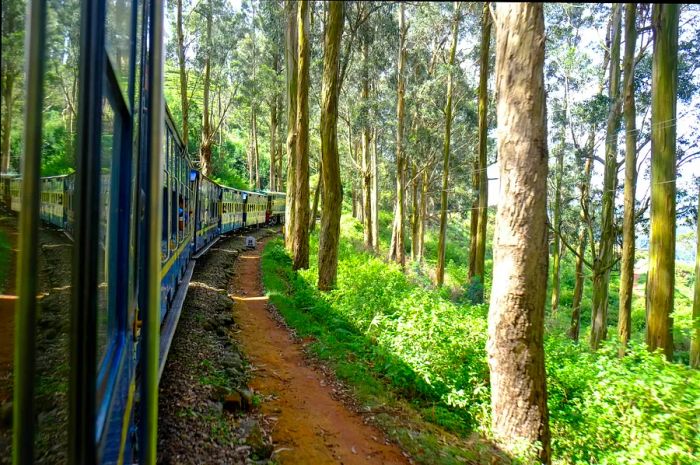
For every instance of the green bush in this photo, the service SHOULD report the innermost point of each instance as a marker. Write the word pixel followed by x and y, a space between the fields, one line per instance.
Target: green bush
pixel 378 325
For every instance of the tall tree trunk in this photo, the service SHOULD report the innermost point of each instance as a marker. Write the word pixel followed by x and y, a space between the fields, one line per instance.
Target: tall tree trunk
pixel 474 220
pixel 604 259
pixel 300 250
pixel 440 271
pixel 695 332
pixel 182 64
pixel 359 182
pixel 479 262
pixel 516 314
pixel 423 207
pixel 280 159
pixel 291 51
pixel 256 155
pixel 575 328
pixel 366 157
pixel 317 195
pixel 375 194
pixel 557 247
pixel 205 146
pixel 273 143
pixel 399 249
pixel 415 210
pixel 250 156
pixel 8 97
pixel 330 165
pixel 662 244
pixel 624 320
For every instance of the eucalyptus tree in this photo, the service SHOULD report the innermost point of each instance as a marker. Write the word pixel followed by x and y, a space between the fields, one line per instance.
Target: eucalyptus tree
pixel 440 271
pixel 480 241
pixel 603 259
pixel 10 70
pixel 291 60
pixel 330 167
pixel 397 249
pixel 300 241
pixel 624 319
pixel 695 336
pixel 516 314
pixel 662 244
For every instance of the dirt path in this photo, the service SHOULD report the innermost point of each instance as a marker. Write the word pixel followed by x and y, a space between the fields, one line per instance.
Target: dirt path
pixel 311 427
pixel 8 229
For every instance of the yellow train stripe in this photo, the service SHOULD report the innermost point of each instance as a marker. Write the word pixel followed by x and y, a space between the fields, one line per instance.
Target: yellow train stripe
pixel 202 231
pixel 171 261
pixel 125 423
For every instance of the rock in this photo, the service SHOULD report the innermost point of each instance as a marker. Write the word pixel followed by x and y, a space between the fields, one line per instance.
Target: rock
pixel 232 360
pixel 233 402
pixel 217 407
pixel 226 319
pixel 219 393
pixel 255 438
pixel 246 397
pixel 6 414
pixel 233 373
pixel 51 333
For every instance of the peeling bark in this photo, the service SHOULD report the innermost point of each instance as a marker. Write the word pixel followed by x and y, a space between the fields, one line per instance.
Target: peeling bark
pixel 330 165
pixel 516 314
pixel 662 242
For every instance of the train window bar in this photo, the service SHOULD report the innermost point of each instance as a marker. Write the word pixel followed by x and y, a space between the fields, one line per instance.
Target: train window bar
pixel 25 350
pixel 82 448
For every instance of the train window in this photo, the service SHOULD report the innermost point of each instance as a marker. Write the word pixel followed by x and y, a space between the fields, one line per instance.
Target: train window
pixel 106 321
pixel 166 216
pixel 118 39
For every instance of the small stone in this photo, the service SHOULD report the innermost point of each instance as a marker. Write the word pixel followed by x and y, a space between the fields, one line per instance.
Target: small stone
pixel 255 438
pixel 219 393
pixel 232 360
pixel 217 407
pixel 6 414
pixel 246 397
pixel 51 334
pixel 233 402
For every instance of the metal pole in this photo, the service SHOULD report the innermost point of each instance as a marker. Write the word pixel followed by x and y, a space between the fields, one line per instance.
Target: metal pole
pixel 153 221
pixel 25 311
pixel 82 449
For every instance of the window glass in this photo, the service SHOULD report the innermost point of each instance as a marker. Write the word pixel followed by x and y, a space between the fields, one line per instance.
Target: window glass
pixel 106 321
pixel 118 39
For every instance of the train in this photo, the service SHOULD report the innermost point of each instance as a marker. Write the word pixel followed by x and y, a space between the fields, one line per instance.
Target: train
pixel 140 214
pixel 196 212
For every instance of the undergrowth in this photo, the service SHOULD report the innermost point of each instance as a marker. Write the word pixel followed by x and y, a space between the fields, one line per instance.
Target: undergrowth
pixel 383 332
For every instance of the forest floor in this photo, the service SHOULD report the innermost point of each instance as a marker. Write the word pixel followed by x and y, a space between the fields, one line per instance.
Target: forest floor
pixel 311 424
pixel 205 406
pixel 8 253
pixel 51 389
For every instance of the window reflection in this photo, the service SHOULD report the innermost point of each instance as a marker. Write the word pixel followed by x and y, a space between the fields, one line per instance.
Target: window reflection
pixel 118 39
pixel 105 321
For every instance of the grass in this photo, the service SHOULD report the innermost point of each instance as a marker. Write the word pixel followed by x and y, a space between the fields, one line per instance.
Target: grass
pixel 414 357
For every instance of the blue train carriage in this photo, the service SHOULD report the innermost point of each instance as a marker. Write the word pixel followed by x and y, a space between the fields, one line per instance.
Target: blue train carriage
pixel 15 194
pixel 207 214
pixel 232 203
pixel 255 209
pixel 177 233
pixel 52 198
pixel 68 205
pixel 275 207
pixel 5 196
